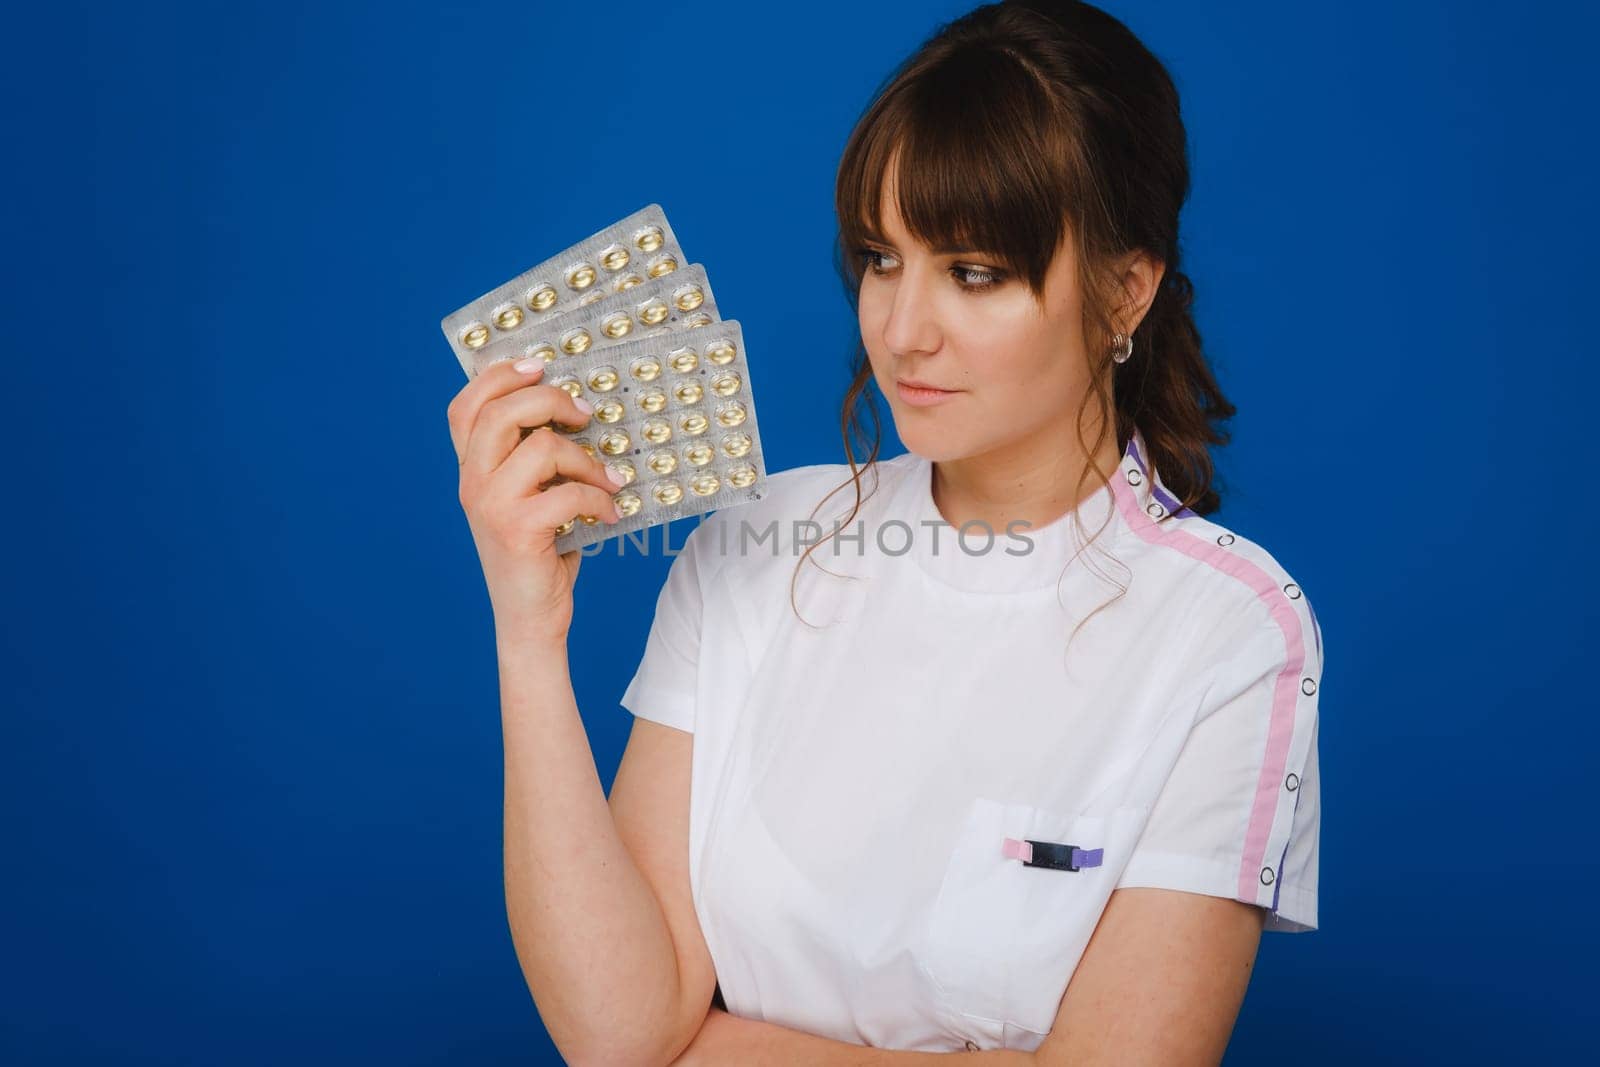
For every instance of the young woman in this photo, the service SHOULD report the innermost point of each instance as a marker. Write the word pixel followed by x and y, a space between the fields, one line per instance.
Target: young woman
pixel 1034 790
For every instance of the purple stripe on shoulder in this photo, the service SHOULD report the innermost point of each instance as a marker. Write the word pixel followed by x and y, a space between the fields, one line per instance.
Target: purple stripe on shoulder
pixel 1169 502
pixel 1165 498
pixel 1316 628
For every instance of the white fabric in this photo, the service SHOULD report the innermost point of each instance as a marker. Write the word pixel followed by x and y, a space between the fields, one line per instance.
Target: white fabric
pixel 853 782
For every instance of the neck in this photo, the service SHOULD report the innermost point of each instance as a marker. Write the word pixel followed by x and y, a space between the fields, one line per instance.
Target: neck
pixel 1020 483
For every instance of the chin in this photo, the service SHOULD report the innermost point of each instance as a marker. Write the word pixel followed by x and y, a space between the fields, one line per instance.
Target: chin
pixel 931 441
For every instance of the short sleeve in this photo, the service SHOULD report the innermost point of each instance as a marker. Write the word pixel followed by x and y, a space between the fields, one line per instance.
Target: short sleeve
pixel 664 686
pixel 1239 815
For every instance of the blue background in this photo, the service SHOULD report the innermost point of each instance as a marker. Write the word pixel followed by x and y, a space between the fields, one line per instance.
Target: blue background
pixel 252 752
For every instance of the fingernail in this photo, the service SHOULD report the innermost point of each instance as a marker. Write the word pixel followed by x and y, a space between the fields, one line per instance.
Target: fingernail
pixel 583 405
pixel 616 476
pixel 529 365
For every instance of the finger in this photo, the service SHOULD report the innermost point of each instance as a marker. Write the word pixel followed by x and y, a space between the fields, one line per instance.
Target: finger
pixel 556 505
pixel 500 422
pixel 493 381
pixel 545 455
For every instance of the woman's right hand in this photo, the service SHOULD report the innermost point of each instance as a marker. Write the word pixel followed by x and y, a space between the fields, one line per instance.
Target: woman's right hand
pixel 513 514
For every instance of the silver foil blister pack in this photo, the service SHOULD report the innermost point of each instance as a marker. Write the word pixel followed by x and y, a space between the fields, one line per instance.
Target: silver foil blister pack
pixel 674 413
pixel 679 300
pixel 631 251
pixel 669 379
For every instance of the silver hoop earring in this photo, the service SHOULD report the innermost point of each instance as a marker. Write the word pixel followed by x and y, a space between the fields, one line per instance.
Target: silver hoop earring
pixel 1121 347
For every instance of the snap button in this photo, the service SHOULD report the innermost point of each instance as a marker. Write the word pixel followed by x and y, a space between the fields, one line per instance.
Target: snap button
pixel 1134 477
pixel 1266 876
pixel 971 1047
pixel 1154 509
pixel 1292 590
pixel 1225 539
pixel 1292 782
pixel 1308 686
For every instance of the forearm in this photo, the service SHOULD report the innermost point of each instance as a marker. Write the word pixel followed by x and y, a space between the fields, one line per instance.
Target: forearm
pixel 730 1039
pixel 589 932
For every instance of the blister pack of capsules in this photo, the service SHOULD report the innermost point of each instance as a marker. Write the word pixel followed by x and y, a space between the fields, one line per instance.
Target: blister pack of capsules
pixel 635 332
pixel 629 252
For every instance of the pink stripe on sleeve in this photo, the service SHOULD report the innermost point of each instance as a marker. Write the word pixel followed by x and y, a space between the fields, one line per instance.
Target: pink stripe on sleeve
pixel 1280 729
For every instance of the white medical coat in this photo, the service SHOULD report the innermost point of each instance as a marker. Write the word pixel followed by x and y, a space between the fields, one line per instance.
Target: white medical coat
pixel 854 779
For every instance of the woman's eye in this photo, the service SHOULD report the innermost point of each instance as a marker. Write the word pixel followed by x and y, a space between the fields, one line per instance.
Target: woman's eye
pixel 977 279
pixel 971 279
pixel 871 257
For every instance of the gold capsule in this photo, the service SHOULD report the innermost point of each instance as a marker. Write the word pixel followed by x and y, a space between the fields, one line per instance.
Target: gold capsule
pixel 652 401
pixel 571 385
pixel 736 445
pixel 541 298
pixel 654 312
pixel 475 335
pixel 699 455
pixel 731 415
pixel 628 281
pixel 576 342
pixel 688 392
pixel 616 326
pixel 585 301
pixel 688 298
pixel 604 379
pixel 645 369
pixel 694 424
pixel 648 239
pixel 705 483
pixel 662 462
pixel 625 468
pixel 588 448
pixel 508 317
pixel 698 319
pixel 725 384
pixel 742 476
pixel 615 443
pixel 661 266
pixel 589 520
pixel 720 352
pixel 656 431
pixel 609 411
pixel 614 258
pixel 565 527
pixel 683 360
pixel 580 276
pixel 667 492
pixel 544 351
pixel 628 502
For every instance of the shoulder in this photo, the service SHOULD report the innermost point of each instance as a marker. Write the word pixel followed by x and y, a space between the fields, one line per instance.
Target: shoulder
pixel 1236 583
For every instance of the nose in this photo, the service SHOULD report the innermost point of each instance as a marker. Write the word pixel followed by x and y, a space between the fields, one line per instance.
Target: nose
pixel 912 327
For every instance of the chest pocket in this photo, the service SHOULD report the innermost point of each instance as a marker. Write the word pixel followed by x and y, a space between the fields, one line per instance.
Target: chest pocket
pixel 1003 938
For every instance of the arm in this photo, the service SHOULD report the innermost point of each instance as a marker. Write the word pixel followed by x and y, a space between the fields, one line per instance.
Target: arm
pixel 729 1039
pixel 1160 982
pixel 589 930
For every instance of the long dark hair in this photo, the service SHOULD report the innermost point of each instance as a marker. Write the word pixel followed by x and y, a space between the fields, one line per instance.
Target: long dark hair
pixel 1012 125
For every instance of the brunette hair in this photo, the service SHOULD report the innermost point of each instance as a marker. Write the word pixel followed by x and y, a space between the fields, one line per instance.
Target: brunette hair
pixel 1013 125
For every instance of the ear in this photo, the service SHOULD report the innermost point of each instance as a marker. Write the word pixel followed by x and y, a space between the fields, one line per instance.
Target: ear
pixel 1140 273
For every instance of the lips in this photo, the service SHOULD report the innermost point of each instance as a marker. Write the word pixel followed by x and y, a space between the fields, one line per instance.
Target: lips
pixel 922 397
pixel 912 384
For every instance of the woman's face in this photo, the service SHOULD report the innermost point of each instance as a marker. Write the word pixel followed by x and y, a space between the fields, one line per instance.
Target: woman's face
pixel 1015 373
